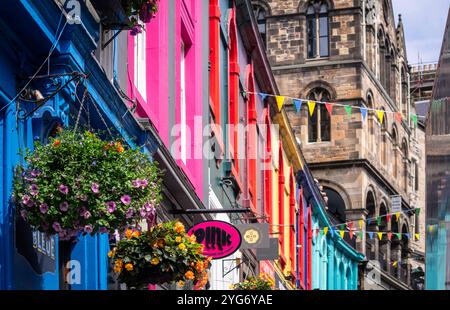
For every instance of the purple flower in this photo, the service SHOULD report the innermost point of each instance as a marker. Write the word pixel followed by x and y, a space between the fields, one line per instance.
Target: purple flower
pixel 63 189
pixel 143 183
pixel 24 214
pixel 86 215
pixel 148 207
pixel 103 230
pixel 35 173
pixel 34 190
pixel 25 199
pixel 64 206
pixel 56 227
pixel 129 213
pixel 143 212
pixel 88 229
pixel 136 183
pixel 126 200
pixel 111 206
pixel 95 188
pixel 43 208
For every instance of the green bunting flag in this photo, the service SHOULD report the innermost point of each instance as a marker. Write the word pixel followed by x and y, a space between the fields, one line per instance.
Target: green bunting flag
pixel 348 109
pixel 378 220
pixel 399 236
pixel 417 211
pixel 414 119
pixel 361 235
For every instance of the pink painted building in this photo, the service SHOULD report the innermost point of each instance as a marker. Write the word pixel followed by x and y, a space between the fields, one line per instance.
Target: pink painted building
pixel 168 77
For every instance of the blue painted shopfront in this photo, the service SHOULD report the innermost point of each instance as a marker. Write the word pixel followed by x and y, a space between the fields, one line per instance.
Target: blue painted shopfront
pixel 29 260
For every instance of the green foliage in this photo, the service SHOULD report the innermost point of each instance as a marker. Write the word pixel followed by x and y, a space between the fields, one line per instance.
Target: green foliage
pixel 163 254
pixel 261 283
pixel 80 183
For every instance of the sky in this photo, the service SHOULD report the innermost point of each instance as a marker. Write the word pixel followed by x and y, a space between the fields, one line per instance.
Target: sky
pixel 424 22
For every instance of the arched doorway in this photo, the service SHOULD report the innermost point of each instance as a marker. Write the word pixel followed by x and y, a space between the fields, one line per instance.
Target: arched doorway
pixel 371 226
pixel 383 245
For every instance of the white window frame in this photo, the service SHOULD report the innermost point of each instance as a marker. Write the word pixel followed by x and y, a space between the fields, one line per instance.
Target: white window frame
pixel 140 65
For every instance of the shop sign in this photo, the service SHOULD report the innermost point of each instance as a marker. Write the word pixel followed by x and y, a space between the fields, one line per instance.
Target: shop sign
pixel 254 236
pixel 220 239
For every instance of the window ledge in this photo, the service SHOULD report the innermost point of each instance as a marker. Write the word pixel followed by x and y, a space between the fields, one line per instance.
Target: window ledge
pixel 323 143
pixel 317 59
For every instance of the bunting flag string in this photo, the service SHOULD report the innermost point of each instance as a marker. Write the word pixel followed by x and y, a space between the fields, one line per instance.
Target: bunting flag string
pixel 371 234
pixel 281 100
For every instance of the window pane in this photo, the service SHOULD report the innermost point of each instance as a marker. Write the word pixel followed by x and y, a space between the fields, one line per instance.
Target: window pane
pixel 324 47
pixel 311 30
pixel 323 26
pixel 310 10
pixel 312 124
pixel 323 8
pixel 325 124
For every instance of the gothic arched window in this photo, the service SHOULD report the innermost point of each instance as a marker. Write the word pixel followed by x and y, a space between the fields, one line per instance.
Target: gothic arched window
pixel 317 29
pixel 320 122
pixel 260 15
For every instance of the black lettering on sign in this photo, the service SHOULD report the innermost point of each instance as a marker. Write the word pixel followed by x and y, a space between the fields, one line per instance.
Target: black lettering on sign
pixel 212 237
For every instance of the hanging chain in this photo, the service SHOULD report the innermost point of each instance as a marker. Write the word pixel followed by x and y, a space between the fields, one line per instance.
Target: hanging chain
pixel 81 107
pixel 101 116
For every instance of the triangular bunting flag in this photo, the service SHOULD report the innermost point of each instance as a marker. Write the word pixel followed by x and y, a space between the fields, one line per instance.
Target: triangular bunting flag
pixel 430 228
pixel 399 236
pixel 361 235
pixel 317 232
pixel 388 218
pixel 350 225
pixel 363 113
pixel 417 237
pixel 325 230
pixel 369 221
pixel 397 216
pixel 332 232
pixel 342 226
pixel 329 107
pixel 298 104
pixel 342 233
pixel 417 211
pixel 263 96
pixel 398 117
pixel 414 119
pixel 389 235
pixel 394 264
pixel 350 233
pixel 378 220
pixel 407 235
pixel 360 224
pixel 380 116
pixel 312 107
pixel 370 235
pixel 380 235
pixel 348 109
pixel 280 102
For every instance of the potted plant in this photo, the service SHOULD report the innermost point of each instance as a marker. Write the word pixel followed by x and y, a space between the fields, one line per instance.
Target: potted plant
pixel 261 283
pixel 78 183
pixel 163 254
pixel 140 12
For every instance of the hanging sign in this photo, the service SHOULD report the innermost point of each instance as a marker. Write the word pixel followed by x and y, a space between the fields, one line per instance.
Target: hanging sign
pixel 220 239
pixel 254 236
pixel 396 202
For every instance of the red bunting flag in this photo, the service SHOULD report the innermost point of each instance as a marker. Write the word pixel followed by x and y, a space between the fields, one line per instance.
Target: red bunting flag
pixel 388 218
pixel 389 236
pixel 329 107
pixel 398 117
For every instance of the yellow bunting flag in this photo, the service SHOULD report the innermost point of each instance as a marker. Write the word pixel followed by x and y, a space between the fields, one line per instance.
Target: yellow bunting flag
pixel 325 230
pixel 360 224
pixel 381 116
pixel 280 102
pixel 430 228
pixel 380 235
pixel 395 264
pixel 397 216
pixel 342 233
pixel 417 236
pixel 312 107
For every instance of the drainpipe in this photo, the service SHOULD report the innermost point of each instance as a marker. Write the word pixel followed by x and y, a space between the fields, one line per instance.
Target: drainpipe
pixel 364 30
pixel 408 107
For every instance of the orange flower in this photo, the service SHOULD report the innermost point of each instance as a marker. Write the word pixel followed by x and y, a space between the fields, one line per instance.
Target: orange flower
pixel 136 234
pixel 189 275
pixel 128 233
pixel 129 267
pixel 192 238
pixel 119 147
pixel 199 266
pixel 112 253
pixel 119 264
pixel 178 239
pixel 117 269
pixel 56 142
pixel 179 227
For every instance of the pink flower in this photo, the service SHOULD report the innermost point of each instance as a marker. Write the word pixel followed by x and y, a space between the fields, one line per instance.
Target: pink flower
pixel 126 200
pixel 88 229
pixel 63 189
pixel 129 213
pixel 34 190
pixel 111 206
pixel 24 214
pixel 35 173
pixel 43 208
pixel 136 183
pixel 87 215
pixel 103 230
pixel 64 206
pixel 56 227
pixel 143 183
pixel 95 188
pixel 25 199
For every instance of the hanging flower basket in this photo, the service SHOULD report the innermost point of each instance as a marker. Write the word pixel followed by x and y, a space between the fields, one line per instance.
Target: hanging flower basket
pixel 79 183
pixel 262 283
pixel 161 255
pixel 140 12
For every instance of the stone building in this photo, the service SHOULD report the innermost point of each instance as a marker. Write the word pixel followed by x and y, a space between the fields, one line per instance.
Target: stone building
pixel 352 52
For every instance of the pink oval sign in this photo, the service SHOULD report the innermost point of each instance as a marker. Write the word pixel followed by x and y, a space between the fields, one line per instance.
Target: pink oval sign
pixel 221 239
